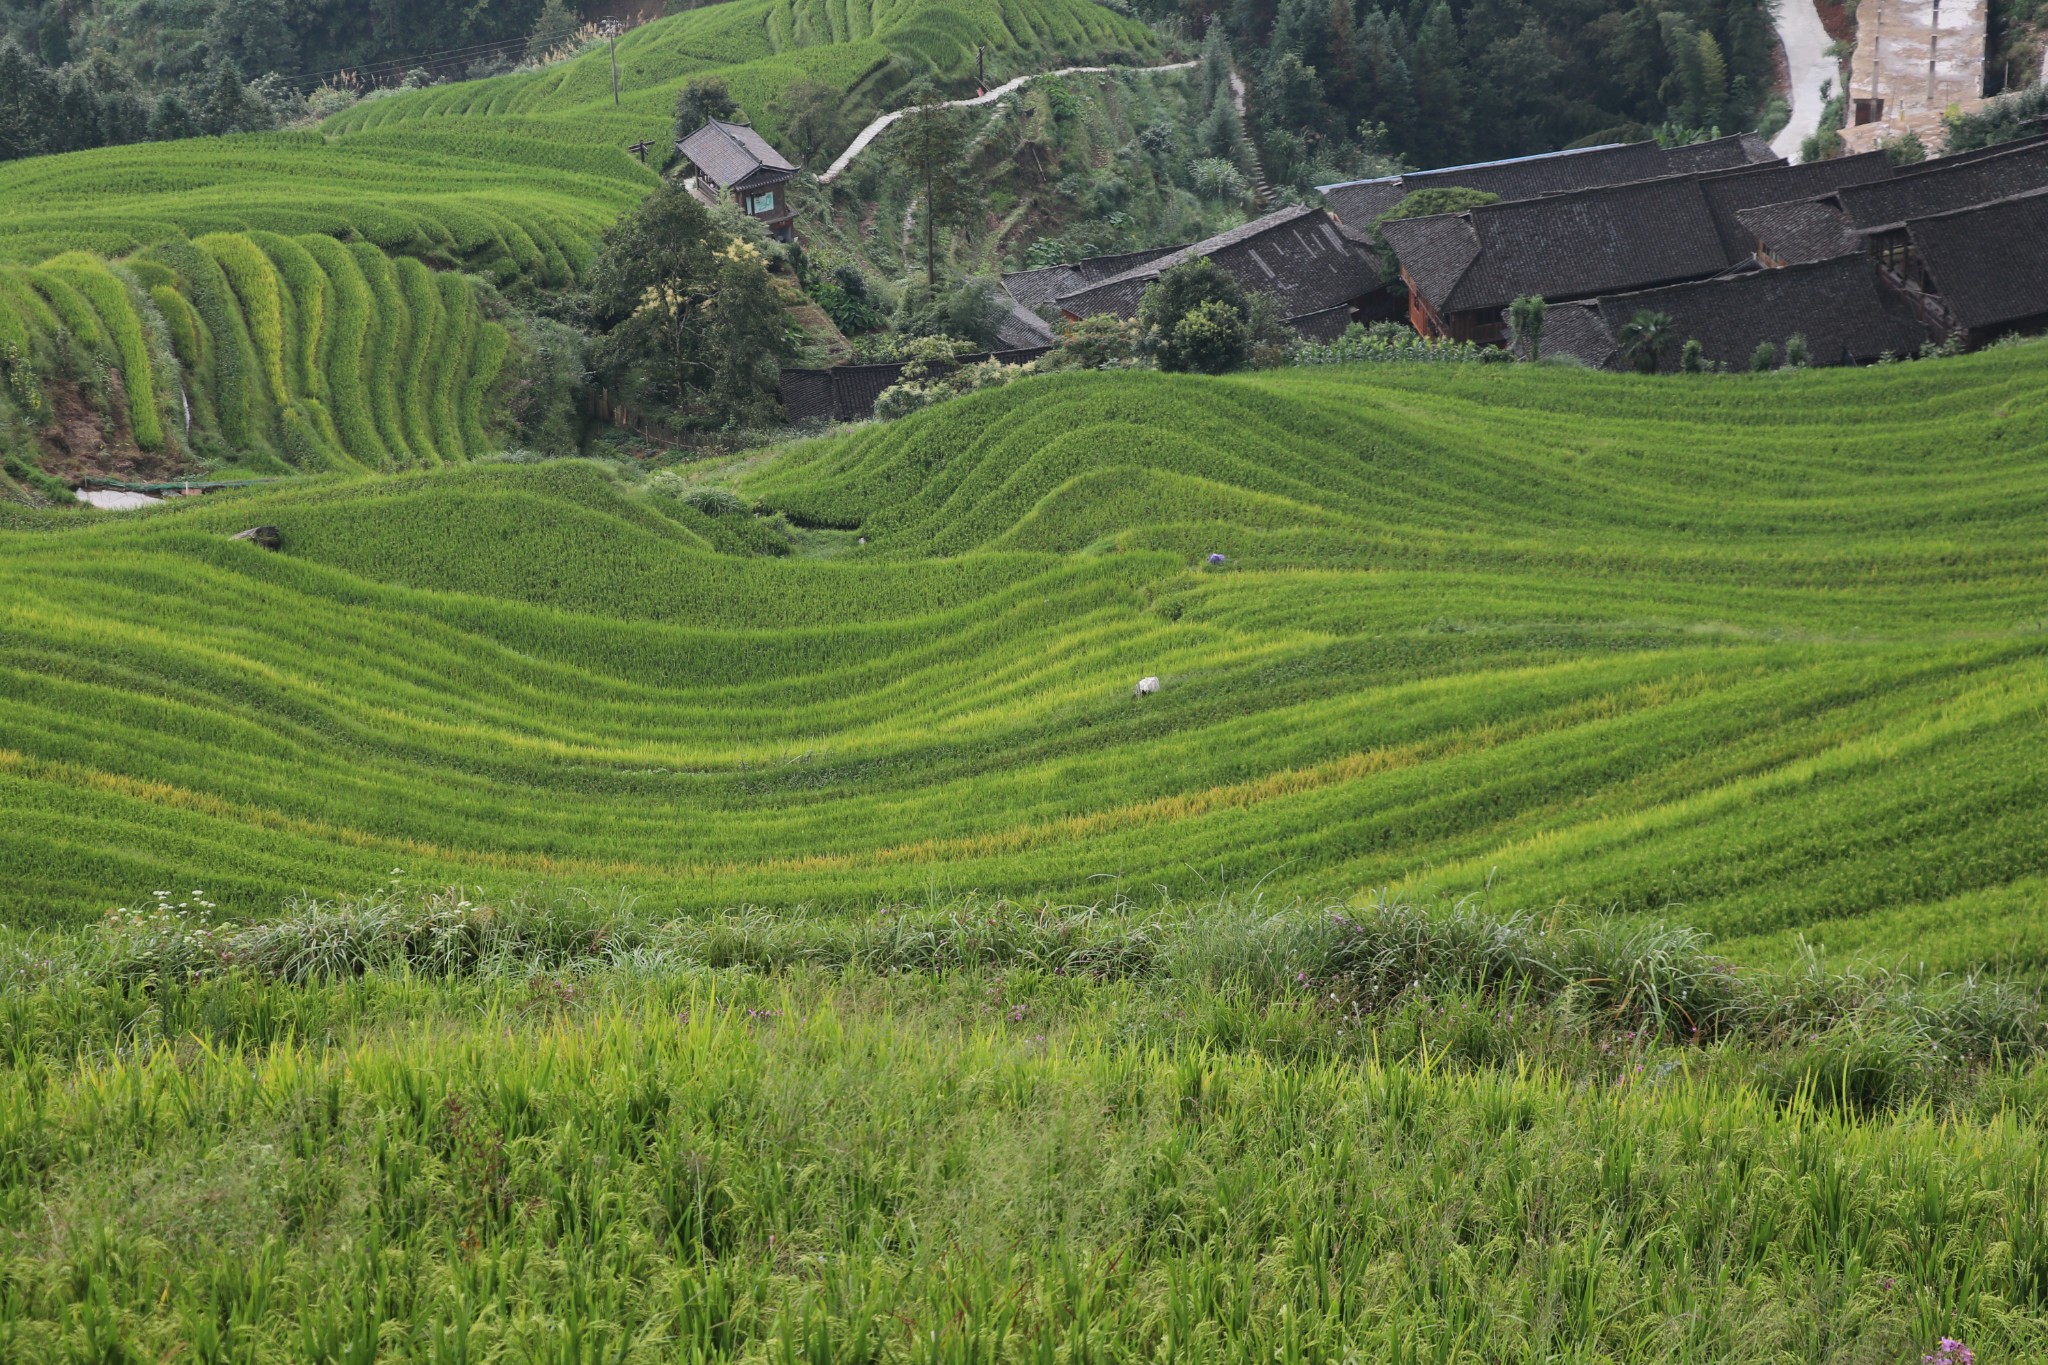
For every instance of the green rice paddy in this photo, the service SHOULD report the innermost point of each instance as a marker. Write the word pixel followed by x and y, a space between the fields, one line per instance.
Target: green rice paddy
pixel 1761 655
pixel 539 934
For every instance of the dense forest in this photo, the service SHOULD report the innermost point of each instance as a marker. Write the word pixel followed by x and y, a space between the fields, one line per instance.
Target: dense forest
pixel 163 42
pixel 1437 82
pixel 76 74
pixel 1337 87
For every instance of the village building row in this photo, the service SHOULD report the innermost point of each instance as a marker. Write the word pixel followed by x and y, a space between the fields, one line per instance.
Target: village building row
pixel 1733 245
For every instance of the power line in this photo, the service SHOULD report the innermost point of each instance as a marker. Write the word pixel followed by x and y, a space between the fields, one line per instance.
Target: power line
pixel 446 56
pixel 389 64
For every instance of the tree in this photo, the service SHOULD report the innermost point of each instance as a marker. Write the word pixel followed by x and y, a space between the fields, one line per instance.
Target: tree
pixel 932 147
pixel 1425 204
pixel 1796 356
pixel 689 316
pixel 812 117
pixel 28 96
pixel 1526 315
pixel 1213 78
pixel 1443 131
pixel 172 119
pixel 1764 357
pixel 744 335
pixel 1692 357
pixel 228 107
pixel 1210 339
pixel 1388 88
pixel 969 311
pixel 253 36
pixel 552 29
pixel 1645 338
pixel 699 102
pixel 1095 342
pixel 1211 345
pixel 1221 131
pixel 1904 150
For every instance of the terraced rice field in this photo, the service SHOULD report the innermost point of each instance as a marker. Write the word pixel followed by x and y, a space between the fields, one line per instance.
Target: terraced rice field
pixel 1763 655
pixel 503 201
pixel 512 180
pixel 327 355
pixel 517 175
pixel 866 48
pixel 828 959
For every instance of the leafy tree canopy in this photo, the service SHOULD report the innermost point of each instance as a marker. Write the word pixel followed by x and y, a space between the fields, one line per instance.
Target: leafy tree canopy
pixel 690 318
pixel 1203 291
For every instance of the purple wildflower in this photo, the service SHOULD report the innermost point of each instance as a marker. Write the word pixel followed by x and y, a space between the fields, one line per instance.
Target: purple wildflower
pixel 1216 559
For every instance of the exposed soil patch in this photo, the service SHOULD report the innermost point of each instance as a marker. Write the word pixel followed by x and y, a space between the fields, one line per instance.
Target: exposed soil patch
pixel 81 442
pixel 1836 19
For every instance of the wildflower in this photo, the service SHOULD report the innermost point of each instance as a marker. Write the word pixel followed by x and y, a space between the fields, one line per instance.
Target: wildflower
pixel 1216 559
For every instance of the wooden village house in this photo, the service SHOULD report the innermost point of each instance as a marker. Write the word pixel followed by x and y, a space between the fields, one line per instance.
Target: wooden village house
pixel 733 161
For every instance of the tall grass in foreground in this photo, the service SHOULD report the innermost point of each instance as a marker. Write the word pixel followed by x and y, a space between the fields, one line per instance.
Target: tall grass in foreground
pixel 563 1145
pixel 1640 978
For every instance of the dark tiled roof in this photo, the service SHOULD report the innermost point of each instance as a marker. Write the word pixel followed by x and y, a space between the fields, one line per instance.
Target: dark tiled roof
pixel 1327 325
pixel 1840 308
pixel 1942 163
pixel 1434 252
pixel 1729 193
pixel 1043 285
pixel 1295 254
pixel 1802 231
pixel 1723 153
pixel 1990 262
pixel 1021 328
pixel 1573 329
pixel 727 153
pixel 1566 246
pixel 1944 186
pixel 1358 202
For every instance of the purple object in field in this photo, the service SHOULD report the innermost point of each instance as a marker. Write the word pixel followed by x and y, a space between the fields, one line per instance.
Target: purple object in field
pixel 1215 559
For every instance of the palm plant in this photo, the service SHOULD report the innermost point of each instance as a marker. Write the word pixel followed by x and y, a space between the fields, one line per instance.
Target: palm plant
pixel 1645 339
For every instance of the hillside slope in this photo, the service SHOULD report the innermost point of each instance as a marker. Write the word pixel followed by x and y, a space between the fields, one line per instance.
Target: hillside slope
pixel 866 49
pixel 511 180
pixel 1761 653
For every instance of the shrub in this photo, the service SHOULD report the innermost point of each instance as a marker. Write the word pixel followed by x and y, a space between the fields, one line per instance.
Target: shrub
pixel 1209 338
pixel 1099 342
pixel 1216 179
pixel 1764 357
pixel 1385 342
pixel 1526 316
pixel 1214 344
pixel 717 502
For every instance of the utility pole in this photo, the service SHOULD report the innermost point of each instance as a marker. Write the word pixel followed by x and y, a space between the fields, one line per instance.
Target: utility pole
pixel 614 33
pixel 980 69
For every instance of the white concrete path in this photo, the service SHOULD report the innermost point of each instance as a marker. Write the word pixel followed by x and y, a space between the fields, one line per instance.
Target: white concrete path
pixel 874 130
pixel 1806 58
pixel 115 499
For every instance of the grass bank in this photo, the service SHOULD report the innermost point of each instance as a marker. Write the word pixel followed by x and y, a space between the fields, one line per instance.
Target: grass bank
pixel 993 1136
